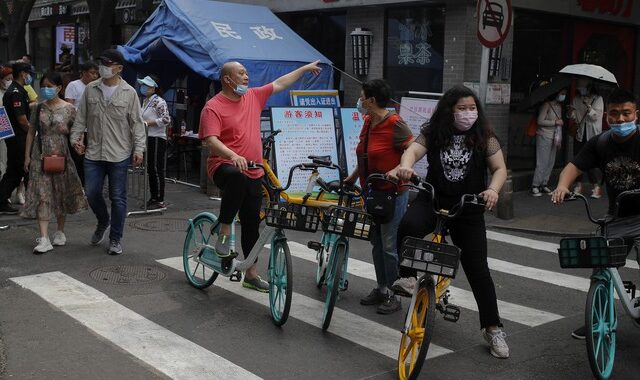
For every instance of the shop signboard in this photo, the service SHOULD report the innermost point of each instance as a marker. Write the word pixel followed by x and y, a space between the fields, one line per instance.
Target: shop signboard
pixel 494 21
pixel 317 98
pixel 415 112
pixel 65 43
pixel 306 131
pixel 6 130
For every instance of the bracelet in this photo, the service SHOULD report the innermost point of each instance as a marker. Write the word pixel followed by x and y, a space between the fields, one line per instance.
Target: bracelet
pixel 494 190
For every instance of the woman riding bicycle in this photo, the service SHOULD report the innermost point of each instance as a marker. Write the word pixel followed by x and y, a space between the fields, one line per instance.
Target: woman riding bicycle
pixel 460 146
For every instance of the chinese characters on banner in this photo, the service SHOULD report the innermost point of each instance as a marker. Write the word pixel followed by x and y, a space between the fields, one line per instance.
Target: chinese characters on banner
pixel 316 98
pixel 261 31
pixel 6 130
pixel 415 112
pixel 352 122
pixel 305 131
pixel 65 43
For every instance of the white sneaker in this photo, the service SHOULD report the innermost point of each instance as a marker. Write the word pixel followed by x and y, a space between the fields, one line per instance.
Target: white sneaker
pixel 497 342
pixel 404 286
pixel 59 238
pixel 44 245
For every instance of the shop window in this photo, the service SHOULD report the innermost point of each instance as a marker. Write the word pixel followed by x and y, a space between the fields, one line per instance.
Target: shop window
pixel 414 48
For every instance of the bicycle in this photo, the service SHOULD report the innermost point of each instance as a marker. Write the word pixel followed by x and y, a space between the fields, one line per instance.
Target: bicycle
pixel 438 261
pixel 200 257
pixel 604 256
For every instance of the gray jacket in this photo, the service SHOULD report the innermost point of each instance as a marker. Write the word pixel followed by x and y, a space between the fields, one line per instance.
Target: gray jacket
pixel 114 127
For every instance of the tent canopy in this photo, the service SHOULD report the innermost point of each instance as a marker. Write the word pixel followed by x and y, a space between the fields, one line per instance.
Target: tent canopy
pixel 201 35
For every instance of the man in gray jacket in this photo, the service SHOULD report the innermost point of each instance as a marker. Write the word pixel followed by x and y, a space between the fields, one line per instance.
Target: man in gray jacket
pixel 110 111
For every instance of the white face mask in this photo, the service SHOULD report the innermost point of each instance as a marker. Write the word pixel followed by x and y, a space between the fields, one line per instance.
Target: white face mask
pixel 106 72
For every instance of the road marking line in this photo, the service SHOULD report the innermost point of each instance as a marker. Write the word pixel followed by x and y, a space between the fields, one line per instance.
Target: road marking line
pixel 364 332
pixel 162 349
pixel 517 313
pixel 537 245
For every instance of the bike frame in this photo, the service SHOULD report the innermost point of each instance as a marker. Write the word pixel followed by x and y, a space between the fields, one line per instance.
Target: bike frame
pixel 614 282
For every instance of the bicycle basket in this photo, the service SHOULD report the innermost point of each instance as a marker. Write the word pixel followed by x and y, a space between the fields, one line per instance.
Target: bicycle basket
pixel 347 222
pixel 592 252
pixel 426 256
pixel 292 216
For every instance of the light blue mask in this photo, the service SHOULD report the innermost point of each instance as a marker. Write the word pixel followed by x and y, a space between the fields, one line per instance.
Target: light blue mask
pixel 360 107
pixel 143 89
pixel 47 93
pixel 624 129
pixel 28 80
pixel 240 89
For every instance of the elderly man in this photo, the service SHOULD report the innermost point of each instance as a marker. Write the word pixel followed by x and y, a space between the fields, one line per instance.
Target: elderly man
pixel 230 126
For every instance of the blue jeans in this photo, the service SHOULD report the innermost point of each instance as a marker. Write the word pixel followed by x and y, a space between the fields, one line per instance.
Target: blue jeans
pixel 94 174
pixel 384 238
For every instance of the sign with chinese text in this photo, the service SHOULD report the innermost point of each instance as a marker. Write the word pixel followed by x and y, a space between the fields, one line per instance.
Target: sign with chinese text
pixel 317 98
pixel 54 10
pixel 352 122
pixel 6 130
pixel 497 93
pixel 306 131
pixel 494 21
pixel 65 43
pixel 415 112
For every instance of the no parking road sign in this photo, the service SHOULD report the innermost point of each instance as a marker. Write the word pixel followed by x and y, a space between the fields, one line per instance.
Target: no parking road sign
pixel 494 21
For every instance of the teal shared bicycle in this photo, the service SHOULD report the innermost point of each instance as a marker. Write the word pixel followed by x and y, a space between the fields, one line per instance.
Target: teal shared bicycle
pixel 604 255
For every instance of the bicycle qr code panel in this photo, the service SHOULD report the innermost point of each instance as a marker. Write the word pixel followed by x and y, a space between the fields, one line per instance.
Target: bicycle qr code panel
pixel 293 216
pixel 430 257
pixel 592 252
pixel 347 222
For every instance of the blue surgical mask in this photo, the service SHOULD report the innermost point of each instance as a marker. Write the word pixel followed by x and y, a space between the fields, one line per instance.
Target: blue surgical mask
pixel 28 80
pixel 561 98
pixel 360 107
pixel 143 89
pixel 240 89
pixel 48 93
pixel 624 129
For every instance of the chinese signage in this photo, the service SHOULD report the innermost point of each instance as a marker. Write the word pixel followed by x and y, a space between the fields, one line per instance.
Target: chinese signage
pixel 416 112
pixel 352 122
pixel 497 93
pixel 6 130
pixel 622 8
pixel 261 31
pixel 54 10
pixel 305 131
pixel 65 43
pixel 319 98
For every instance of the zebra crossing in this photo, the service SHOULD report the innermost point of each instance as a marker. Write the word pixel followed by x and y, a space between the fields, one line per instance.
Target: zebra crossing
pixel 166 350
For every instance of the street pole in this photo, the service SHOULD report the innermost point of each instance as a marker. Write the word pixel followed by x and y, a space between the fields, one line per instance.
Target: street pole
pixel 484 75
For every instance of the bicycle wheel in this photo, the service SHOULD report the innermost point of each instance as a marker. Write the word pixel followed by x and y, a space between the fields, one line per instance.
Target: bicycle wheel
pixel 600 322
pixel 333 274
pixel 197 248
pixel 417 337
pixel 280 277
pixel 328 241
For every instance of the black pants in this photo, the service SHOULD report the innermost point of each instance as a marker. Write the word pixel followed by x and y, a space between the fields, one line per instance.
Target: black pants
pixel 15 168
pixel 243 196
pixel 468 232
pixel 156 166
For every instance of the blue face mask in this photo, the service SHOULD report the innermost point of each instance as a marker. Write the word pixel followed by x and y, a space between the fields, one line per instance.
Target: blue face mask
pixel 28 80
pixel 143 89
pixel 360 107
pixel 240 89
pixel 624 129
pixel 47 93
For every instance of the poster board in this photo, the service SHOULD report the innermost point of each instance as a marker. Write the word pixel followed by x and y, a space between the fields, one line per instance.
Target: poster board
pixel 316 98
pixel 305 131
pixel 65 37
pixel 6 130
pixel 415 112
pixel 352 122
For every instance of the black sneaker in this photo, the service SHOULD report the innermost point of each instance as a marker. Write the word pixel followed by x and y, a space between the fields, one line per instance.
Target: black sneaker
pixel 115 248
pixel 151 202
pixel 390 305
pixel 99 234
pixel 579 333
pixel 374 298
pixel 7 209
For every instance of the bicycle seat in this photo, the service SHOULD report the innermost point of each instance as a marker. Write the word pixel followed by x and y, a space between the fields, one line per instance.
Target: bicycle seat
pixel 321 160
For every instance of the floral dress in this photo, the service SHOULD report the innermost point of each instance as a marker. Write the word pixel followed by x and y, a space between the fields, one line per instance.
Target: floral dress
pixel 53 195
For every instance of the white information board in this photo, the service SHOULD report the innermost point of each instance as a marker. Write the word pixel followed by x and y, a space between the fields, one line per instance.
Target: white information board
pixel 415 112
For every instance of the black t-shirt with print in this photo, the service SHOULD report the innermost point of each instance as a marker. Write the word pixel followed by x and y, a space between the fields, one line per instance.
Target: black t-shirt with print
pixel 620 163
pixel 16 103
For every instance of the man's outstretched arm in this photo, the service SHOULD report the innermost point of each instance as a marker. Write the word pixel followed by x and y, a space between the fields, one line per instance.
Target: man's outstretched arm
pixel 287 80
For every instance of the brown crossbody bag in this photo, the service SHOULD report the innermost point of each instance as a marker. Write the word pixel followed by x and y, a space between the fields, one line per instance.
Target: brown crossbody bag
pixel 53 163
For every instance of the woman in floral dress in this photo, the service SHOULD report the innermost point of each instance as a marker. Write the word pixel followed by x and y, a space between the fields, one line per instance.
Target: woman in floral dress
pixel 51 195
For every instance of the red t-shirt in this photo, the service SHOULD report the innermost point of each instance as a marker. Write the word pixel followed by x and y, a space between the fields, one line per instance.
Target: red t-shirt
pixel 237 125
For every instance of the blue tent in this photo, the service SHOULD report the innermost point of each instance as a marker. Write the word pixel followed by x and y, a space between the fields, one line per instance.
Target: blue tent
pixel 201 35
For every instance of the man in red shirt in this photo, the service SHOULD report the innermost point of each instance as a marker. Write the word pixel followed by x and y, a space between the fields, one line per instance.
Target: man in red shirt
pixel 230 126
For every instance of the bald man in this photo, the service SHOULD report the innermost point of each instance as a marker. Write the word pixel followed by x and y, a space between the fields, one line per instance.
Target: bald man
pixel 230 126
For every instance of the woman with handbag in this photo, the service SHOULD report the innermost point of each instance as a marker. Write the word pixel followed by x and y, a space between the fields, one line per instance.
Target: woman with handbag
pixel 383 138
pixel 460 146
pixel 54 188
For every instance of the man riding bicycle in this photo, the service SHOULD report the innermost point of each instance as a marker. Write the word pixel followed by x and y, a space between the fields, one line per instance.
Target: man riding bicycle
pixel 617 154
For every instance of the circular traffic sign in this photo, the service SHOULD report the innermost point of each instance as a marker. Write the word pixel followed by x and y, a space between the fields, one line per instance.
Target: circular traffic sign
pixel 494 21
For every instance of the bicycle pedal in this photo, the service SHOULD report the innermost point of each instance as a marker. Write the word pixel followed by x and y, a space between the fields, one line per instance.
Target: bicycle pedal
pixel 315 245
pixel 236 276
pixel 451 313
pixel 630 287
pixel 343 288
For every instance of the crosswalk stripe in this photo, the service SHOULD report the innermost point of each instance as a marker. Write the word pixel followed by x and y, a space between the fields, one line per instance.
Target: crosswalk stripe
pixel 366 333
pixel 167 352
pixel 461 297
pixel 537 245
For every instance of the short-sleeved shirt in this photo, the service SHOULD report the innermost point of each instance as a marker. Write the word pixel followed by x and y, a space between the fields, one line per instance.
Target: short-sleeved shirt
pixel 16 103
pixel 74 91
pixel 619 162
pixel 237 125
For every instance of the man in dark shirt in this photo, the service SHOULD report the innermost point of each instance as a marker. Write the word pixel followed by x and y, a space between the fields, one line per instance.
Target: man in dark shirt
pixel 16 103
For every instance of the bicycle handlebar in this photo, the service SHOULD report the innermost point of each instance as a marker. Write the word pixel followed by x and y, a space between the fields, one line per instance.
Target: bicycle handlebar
pixel 574 196
pixel 427 188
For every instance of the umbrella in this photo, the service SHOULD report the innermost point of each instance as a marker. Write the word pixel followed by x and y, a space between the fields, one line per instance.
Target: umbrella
pixel 541 94
pixel 590 71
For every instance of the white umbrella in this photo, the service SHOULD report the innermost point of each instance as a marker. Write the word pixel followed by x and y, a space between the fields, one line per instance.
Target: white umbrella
pixel 590 71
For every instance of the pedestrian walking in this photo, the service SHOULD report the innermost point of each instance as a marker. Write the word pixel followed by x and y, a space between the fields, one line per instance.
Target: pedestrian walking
pixel 548 141
pixel 51 194
pixel 110 113
pixel 383 139
pixel 155 114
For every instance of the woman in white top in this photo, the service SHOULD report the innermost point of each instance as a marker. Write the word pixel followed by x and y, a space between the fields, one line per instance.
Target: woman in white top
pixel 156 118
pixel 586 110
pixel 549 124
